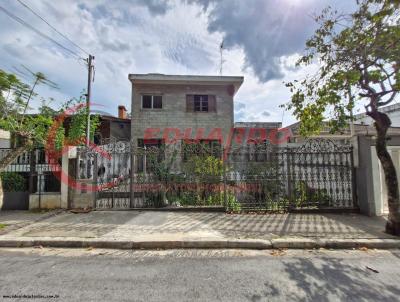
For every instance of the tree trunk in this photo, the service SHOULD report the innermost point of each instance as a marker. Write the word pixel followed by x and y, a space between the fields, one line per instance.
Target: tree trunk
pixel 1 194
pixel 382 123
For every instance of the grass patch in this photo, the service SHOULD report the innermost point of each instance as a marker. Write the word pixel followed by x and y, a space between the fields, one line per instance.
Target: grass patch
pixel 2 226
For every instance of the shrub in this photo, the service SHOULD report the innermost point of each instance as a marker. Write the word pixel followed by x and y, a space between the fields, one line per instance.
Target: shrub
pixel 304 195
pixel 12 182
pixel 232 204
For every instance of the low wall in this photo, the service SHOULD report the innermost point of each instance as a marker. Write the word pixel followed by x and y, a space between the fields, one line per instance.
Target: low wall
pixel 46 200
pixel 370 184
pixel 14 201
pixel 82 200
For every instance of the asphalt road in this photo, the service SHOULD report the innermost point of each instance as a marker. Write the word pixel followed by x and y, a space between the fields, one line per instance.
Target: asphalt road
pixel 193 275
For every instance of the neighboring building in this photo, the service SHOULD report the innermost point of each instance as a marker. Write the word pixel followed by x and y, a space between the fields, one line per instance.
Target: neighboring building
pixel 114 128
pixel 202 104
pixel 265 125
pixel 4 139
pixel 253 133
pixel 393 111
pixel 341 137
pixel 111 128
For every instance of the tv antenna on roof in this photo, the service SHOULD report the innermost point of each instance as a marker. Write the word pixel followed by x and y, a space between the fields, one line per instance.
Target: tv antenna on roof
pixel 221 63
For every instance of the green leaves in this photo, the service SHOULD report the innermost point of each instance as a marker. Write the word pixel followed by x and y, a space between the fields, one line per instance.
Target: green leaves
pixel 14 100
pixel 358 57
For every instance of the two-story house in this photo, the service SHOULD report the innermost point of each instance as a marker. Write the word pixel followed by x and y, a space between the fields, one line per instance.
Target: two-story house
pixel 173 108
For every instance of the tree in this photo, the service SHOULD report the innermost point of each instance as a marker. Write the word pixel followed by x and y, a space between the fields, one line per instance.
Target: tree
pixel 33 130
pixel 358 57
pixel 78 123
pixel 28 130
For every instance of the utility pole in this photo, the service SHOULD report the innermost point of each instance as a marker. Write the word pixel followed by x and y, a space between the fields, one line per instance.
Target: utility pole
pixel 89 86
pixel 221 63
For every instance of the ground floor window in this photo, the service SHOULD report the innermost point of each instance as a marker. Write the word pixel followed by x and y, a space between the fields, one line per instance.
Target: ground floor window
pixel 201 148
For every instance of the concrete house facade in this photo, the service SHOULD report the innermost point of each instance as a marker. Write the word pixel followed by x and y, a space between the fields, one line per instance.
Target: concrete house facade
pixel 181 106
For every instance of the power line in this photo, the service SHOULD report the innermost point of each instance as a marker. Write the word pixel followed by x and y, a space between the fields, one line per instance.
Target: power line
pixel 51 26
pixel 21 21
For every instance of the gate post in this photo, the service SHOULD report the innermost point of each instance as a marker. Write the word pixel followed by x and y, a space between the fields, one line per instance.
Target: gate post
pixel 64 178
pixel 32 171
pixel 132 176
pixel 95 169
pixel 224 166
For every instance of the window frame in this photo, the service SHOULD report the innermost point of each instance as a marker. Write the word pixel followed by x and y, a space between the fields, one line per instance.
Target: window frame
pixel 201 102
pixel 152 101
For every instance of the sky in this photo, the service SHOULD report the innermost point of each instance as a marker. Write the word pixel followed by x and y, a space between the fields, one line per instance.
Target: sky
pixel 262 40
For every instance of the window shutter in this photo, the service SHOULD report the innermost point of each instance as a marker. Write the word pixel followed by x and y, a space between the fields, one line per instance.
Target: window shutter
pixel 212 104
pixel 190 103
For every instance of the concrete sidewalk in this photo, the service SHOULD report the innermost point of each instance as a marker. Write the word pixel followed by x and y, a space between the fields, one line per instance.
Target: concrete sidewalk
pixel 152 229
pixel 12 220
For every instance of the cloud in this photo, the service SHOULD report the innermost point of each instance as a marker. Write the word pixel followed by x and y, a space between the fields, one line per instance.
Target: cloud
pixel 187 51
pixel 158 7
pixel 138 36
pixel 115 45
pixel 172 37
pixel 267 31
pixel 239 106
pixel 266 114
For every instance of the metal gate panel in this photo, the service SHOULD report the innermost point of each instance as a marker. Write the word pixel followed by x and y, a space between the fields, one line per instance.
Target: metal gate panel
pixel 315 175
pixel 112 174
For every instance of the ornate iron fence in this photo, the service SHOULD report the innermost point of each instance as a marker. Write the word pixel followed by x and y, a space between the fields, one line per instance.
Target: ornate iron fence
pixel 37 169
pixel 315 175
pixel 31 172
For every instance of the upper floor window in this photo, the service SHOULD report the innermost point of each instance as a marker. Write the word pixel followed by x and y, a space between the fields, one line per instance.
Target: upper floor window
pixel 200 103
pixel 151 101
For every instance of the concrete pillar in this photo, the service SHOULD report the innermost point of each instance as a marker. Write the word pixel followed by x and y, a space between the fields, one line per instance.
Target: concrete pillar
pixel 64 178
pixel 69 153
pixel 364 176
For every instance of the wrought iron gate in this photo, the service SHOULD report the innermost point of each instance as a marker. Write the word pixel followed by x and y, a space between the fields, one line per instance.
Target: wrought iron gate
pixel 315 175
pixel 112 175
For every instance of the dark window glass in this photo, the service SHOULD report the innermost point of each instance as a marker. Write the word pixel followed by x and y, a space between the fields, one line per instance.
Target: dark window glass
pixel 157 101
pixel 146 101
pixel 201 103
pixel 204 106
pixel 197 106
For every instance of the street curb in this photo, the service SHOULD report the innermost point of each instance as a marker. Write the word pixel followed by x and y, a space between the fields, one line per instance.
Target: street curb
pixel 279 243
pixel 128 244
pixel 309 243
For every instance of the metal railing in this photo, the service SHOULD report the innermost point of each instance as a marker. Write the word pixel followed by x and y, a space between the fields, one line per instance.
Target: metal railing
pixel 37 169
pixel 315 175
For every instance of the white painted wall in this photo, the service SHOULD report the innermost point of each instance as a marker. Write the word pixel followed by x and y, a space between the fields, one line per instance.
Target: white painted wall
pixel 380 191
pixel 4 139
pixel 393 111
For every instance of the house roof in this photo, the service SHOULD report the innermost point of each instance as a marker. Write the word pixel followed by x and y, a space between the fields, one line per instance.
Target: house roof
pixel 386 109
pixel 114 118
pixel 358 129
pixel 157 78
pixel 266 125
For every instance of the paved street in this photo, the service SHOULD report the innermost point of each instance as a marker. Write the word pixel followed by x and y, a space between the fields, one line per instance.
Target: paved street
pixel 200 275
